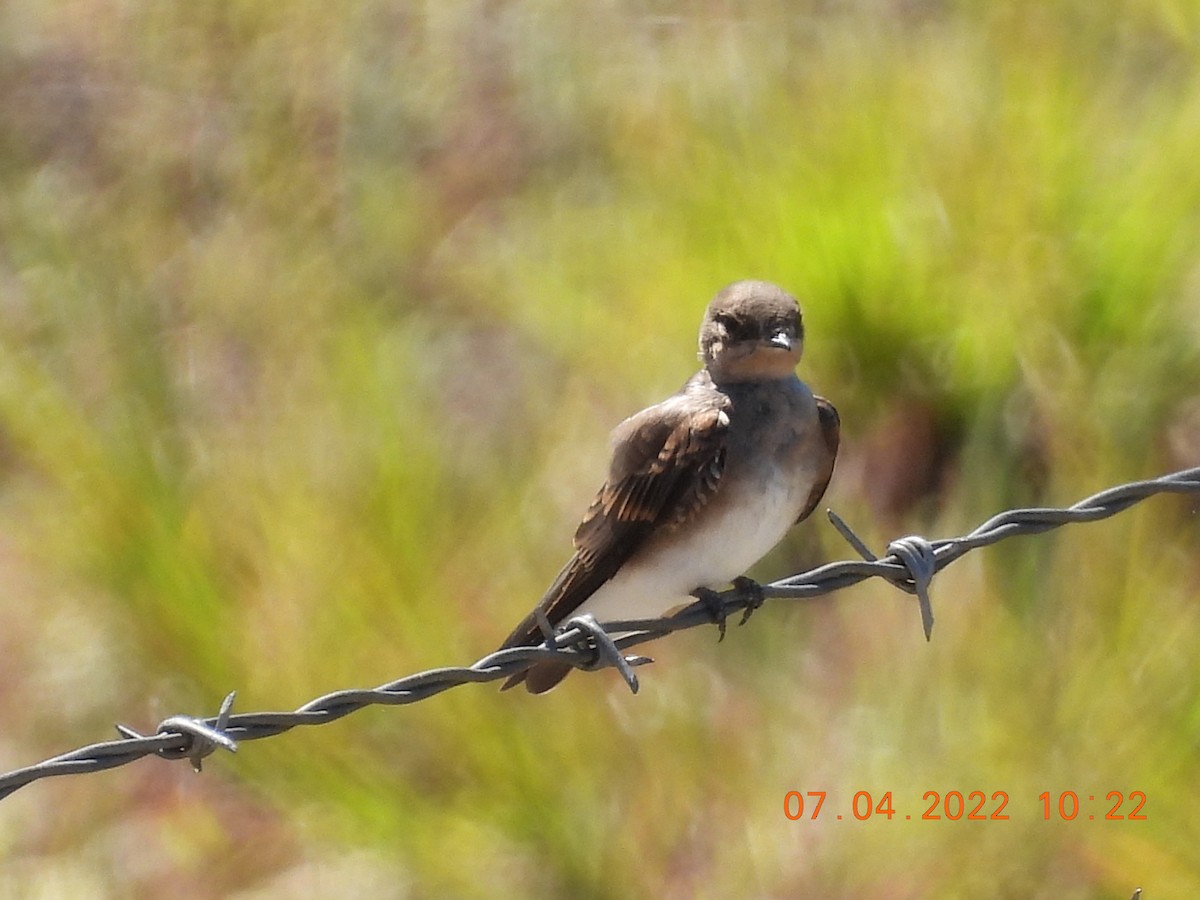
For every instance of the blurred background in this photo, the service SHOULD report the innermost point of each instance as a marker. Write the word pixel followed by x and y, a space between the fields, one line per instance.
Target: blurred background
pixel 314 319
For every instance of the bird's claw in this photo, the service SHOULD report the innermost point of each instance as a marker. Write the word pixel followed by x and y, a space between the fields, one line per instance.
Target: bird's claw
pixel 715 606
pixel 752 593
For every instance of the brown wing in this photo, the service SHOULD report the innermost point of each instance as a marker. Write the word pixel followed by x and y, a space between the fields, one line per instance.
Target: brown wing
pixel 831 431
pixel 667 462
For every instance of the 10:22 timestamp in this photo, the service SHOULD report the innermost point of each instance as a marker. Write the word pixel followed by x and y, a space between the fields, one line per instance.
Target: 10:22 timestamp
pixel 1067 806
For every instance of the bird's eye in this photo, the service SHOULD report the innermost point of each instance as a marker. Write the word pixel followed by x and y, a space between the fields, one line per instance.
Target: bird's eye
pixel 727 322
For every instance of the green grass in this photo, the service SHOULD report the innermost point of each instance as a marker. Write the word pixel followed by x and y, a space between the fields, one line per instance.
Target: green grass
pixel 313 322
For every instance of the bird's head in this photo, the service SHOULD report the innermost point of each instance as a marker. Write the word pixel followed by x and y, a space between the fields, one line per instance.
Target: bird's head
pixel 752 331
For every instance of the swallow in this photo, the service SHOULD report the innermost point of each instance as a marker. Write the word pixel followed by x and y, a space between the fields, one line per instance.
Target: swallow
pixel 702 485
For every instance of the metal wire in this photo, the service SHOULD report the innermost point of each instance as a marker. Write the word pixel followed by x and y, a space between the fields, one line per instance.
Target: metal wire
pixel 910 564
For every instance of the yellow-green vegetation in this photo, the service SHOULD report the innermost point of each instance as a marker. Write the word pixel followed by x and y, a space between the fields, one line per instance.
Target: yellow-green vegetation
pixel 313 321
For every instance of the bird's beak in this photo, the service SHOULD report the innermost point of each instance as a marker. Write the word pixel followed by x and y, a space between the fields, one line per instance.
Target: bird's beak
pixel 781 340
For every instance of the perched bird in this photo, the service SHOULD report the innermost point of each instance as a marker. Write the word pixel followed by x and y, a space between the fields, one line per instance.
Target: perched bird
pixel 702 485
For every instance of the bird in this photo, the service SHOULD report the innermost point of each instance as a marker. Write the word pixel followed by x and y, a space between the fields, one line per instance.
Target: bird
pixel 702 485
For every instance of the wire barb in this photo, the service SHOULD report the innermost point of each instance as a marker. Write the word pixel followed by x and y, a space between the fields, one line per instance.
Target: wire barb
pixel 914 552
pixel 918 557
pixel 850 537
pixel 606 650
pixel 910 565
pixel 199 739
pixel 203 739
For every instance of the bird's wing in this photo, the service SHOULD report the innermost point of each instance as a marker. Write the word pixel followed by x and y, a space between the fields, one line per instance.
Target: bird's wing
pixel 667 462
pixel 831 431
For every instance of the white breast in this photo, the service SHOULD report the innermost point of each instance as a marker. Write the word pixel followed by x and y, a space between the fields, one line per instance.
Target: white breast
pixel 721 544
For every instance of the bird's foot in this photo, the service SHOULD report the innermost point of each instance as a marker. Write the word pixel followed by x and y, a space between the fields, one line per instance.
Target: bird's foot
pixel 752 593
pixel 715 606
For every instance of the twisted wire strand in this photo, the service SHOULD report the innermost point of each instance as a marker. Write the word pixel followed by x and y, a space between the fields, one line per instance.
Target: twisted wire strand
pixel 910 564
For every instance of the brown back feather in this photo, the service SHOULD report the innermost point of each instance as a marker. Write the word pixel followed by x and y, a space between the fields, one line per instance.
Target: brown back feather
pixel 666 464
pixel 831 431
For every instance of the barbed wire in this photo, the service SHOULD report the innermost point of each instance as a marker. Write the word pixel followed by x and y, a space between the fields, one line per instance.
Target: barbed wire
pixel 909 564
